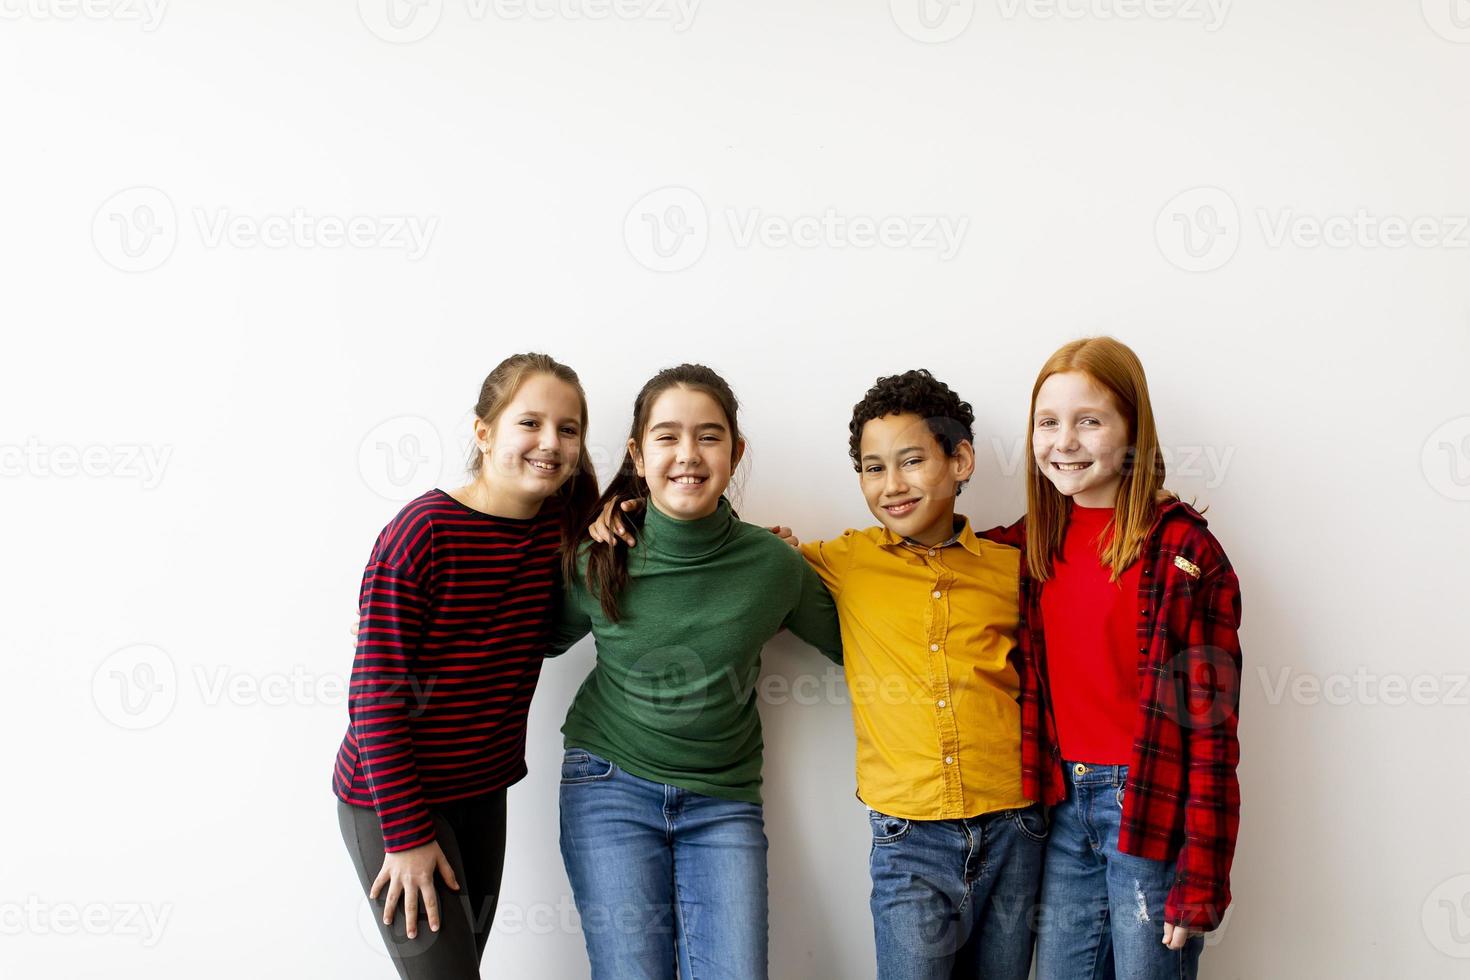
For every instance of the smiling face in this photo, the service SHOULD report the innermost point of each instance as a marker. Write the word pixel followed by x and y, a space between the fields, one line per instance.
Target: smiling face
pixel 687 453
pixel 532 447
pixel 908 480
pixel 1079 438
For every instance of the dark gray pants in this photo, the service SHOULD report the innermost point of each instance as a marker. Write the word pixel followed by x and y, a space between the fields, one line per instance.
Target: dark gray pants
pixel 472 836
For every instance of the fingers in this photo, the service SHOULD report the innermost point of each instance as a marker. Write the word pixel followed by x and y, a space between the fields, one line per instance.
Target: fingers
pixel 431 904
pixel 1175 936
pixel 411 910
pixel 379 882
pixel 630 505
pixel 623 532
pixel 390 904
pixel 356 627
pixel 446 871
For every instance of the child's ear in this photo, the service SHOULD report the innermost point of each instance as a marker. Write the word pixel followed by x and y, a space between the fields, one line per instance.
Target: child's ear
pixel 739 452
pixel 637 458
pixel 963 460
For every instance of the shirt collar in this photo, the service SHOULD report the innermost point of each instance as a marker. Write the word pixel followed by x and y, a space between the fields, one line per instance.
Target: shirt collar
pixel 964 536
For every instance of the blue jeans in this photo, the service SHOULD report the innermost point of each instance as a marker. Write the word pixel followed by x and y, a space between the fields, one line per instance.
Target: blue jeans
pixel 663 878
pixel 956 898
pixel 1102 911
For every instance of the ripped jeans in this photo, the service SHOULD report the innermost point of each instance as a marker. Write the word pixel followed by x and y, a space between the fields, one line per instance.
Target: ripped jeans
pixel 1102 911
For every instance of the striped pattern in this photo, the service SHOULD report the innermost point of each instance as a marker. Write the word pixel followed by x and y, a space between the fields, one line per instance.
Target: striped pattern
pixel 455 613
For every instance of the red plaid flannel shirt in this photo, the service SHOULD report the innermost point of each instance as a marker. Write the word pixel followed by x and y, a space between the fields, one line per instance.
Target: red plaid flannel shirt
pixel 1182 801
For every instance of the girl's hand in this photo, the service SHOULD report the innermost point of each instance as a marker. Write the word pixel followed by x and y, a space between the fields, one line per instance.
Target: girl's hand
pixel 785 534
pixel 1176 936
pixel 410 873
pixel 610 522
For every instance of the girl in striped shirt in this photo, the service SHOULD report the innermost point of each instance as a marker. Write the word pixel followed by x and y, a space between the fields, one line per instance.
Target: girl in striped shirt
pixel 455 611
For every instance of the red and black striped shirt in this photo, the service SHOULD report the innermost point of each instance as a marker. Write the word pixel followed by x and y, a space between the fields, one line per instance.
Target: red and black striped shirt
pixel 455 612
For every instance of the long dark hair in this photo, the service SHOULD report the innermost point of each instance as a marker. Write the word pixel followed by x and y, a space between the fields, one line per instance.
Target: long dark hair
pixel 607 565
pixel 578 494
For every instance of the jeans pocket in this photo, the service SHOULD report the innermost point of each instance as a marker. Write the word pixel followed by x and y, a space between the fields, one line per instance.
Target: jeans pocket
pixel 1031 822
pixel 886 829
pixel 581 766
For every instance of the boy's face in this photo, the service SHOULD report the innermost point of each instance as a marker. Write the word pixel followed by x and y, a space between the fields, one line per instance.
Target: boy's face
pixel 908 480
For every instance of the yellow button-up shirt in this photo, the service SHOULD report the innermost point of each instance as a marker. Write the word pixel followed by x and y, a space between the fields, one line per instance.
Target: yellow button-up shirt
pixel 927 637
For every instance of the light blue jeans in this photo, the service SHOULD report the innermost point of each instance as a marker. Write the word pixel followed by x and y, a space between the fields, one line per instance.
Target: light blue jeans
pixel 1102 911
pixel 956 898
pixel 664 879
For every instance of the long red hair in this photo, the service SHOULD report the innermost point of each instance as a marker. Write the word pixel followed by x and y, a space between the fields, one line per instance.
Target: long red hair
pixel 1114 367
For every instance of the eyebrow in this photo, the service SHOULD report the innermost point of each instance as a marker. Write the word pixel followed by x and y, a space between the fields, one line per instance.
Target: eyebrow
pixel 676 426
pixel 905 449
pixel 541 415
pixel 1080 409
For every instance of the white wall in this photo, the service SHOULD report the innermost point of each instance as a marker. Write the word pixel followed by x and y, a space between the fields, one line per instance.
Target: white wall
pixel 1314 397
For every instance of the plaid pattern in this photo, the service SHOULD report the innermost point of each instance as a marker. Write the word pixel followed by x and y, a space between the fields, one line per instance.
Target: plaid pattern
pixel 1182 801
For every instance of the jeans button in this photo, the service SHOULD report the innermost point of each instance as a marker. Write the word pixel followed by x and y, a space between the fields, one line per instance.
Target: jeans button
pixel 1079 769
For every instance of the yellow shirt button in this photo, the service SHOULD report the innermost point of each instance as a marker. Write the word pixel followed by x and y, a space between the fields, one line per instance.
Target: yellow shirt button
pixel 931 551
pixel 934 647
pixel 941 702
pixel 948 760
pixel 936 593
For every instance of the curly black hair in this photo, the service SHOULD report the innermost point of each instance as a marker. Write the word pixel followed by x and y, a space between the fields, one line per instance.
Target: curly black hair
pixel 916 392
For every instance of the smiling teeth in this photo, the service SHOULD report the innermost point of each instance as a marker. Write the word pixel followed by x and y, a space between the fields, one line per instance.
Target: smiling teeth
pixel 688 479
pixel 548 467
pixel 1071 467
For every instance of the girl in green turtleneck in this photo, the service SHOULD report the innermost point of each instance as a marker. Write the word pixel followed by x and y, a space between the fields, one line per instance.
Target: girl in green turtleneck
pixel 661 822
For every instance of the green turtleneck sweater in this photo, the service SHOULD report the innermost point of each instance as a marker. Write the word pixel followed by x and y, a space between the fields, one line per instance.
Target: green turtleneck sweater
pixel 672 695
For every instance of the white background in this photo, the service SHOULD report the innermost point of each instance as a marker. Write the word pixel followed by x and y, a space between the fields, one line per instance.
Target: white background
pixel 1155 172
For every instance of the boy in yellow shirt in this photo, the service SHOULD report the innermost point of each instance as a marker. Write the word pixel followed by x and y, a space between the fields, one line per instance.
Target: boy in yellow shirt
pixel 929 612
